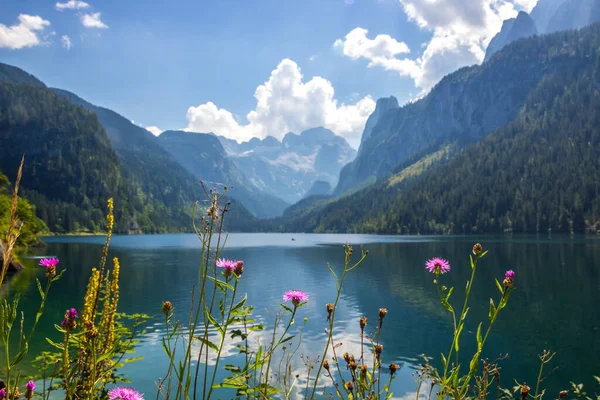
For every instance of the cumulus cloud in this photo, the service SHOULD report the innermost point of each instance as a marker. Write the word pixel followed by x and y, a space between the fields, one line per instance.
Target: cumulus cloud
pixel 461 31
pixel 93 21
pixel 155 130
pixel 66 42
pixel 286 103
pixel 71 5
pixel 24 34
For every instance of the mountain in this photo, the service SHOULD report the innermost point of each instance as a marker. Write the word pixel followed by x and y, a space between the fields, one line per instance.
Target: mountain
pixel 536 173
pixel 463 107
pixel 289 168
pixel 74 163
pixel 512 29
pixel 203 156
pixel 319 188
pixel 382 106
pixel 547 16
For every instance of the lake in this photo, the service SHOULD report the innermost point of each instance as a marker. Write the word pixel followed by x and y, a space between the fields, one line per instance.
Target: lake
pixel 554 306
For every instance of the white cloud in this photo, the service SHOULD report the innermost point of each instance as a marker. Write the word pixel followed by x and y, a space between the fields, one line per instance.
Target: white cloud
pixel 66 42
pixel 72 5
pixel 24 34
pixel 461 31
pixel 155 130
pixel 285 103
pixel 93 21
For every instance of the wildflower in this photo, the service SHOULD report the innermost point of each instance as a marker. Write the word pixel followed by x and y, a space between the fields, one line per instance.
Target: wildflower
pixel 362 322
pixel 50 264
pixel 382 313
pixel 563 394
pixel 296 296
pixel 30 386
pixel 124 393
pixel 477 249
pixel 437 265
pixel 69 322
pixel 330 308
pixel 2 394
pixel 509 279
pixel 363 368
pixel 239 268
pixel 393 368
pixel 228 265
pixel 326 365
pixel 167 307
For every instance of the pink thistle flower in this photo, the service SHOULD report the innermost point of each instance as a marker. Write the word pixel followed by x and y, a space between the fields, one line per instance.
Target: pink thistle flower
pixel 296 296
pixel 2 394
pixel 124 393
pixel 510 274
pixel 228 265
pixel 437 265
pixel 30 386
pixel 69 322
pixel 49 262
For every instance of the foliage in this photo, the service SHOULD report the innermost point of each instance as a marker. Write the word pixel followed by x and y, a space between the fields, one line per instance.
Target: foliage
pixel 536 174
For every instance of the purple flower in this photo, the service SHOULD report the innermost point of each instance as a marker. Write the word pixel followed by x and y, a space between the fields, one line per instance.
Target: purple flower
pixel 228 265
pixel 124 393
pixel 69 322
pixel 49 262
pixel 296 296
pixel 2 394
pixel 30 386
pixel 510 274
pixel 437 265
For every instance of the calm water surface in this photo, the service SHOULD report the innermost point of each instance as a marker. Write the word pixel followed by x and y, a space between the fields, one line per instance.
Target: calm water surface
pixel 554 306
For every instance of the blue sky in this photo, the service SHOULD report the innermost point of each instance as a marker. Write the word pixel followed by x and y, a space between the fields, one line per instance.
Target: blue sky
pixel 200 64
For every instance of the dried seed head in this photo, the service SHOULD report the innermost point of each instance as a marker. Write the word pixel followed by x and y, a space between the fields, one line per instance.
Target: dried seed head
pixel 326 365
pixel 393 368
pixel 378 350
pixel 563 394
pixel 349 386
pixel 524 391
pixel 364 369
pixel 352 365
pixel 167 307
pixel 477 249
pixel 382 313
pixel 363 322
pixel 346 357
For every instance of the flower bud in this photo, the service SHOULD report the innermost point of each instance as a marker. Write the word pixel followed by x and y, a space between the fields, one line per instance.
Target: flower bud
pixel 349 386
pixel 326 365
pixel 393 368
pixel 477 249
pixel 524 391
pixel 382 313
pixel 363 322
pixel 167 307
pixel 563 394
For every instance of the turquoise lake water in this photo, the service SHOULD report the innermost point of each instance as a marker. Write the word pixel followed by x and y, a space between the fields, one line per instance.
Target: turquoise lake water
pixel 554 306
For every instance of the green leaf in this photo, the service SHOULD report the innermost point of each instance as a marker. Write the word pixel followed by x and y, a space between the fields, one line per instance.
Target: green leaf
pixel 239 304
pixel 286 308
pixel 483 254
pixel 444 362
pixel 458 332
pixel 475 363
pixel 472 261
pixel 57 345
pixel 500 287
pixel 213 321
pixel 287 339
pixel 232 368
pixel 19 355
pixel 60 274
pixel 258 327
pixel 479 338
pixel 492 312
pixel 208 343
pixel 390 395
pixel 222 285
pixel 133 359
pixel 39 286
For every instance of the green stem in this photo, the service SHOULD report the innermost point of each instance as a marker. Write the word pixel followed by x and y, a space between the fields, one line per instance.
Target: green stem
pixel 222 342
pixel 40 310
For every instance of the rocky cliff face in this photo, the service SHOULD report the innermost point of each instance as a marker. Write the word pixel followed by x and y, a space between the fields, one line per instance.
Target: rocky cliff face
pixel 288 169
pixel 464 107
pixel 512 29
